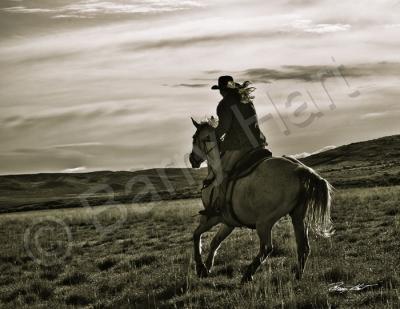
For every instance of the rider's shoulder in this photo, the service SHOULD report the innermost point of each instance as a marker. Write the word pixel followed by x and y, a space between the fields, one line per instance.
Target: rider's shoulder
pixel 228 100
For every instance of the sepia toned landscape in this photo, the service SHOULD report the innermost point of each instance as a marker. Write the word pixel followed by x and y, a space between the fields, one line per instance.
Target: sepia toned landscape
pixel 136 140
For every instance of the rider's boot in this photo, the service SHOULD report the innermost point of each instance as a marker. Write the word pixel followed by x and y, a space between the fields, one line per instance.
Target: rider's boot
pixel 221 196
pixel 216 208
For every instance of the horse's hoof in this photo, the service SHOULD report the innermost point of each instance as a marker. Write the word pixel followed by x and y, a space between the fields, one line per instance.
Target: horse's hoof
pixel 246 278
pixel 202 271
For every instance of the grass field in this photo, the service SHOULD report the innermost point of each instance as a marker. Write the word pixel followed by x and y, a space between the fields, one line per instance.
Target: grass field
pixel 146 261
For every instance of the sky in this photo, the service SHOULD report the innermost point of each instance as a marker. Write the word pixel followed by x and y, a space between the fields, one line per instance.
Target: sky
pixel 91 85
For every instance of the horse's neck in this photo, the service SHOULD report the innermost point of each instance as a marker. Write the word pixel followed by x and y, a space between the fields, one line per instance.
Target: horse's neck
pixel 214 164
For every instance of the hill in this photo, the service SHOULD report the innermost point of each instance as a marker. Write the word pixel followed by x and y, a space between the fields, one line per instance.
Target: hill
pixel 362 164
pixel 60 190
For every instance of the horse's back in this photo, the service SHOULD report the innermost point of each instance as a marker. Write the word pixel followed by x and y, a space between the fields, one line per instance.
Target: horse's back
pixel 268 193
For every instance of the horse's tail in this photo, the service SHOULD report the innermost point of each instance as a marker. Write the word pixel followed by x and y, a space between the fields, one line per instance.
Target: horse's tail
pixel 315 197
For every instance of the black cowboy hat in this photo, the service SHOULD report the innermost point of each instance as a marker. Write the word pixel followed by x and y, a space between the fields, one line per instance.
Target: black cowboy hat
pixel 222 82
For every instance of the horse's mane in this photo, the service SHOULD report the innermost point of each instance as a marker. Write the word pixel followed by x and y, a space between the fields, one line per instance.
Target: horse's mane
pixel 209 122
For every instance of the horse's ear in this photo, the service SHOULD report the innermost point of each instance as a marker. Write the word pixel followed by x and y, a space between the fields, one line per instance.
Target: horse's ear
pixel 195 123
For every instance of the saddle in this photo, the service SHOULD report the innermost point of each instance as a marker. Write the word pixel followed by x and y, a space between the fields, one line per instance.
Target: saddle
pixel 248 163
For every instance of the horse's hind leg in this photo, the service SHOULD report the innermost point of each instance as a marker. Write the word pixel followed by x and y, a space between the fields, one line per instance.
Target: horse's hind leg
pixel 223 232
pixel 301 233
pixel 264 232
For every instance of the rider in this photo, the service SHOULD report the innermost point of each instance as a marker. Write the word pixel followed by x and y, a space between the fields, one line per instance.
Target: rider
pixel 238 131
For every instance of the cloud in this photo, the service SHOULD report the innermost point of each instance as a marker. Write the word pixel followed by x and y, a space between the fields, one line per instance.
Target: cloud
pixel 57 117
pixel 236 35
pixel 373 115
pixel 92 8
pixel 306 154
pixel 190 85
pixel 318 72
pixel 22 9
pixel 87 144
pixel 327 28
pixel 79 169
pixel 47 57
pixel 195 40
pixel 62 16
pixel 97 157
pixel 307 25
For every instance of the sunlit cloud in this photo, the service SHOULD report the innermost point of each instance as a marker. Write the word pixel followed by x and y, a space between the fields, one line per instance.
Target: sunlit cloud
pixel 22 9
pixel 87 144
pixel 307 25
pixel 79 169
pixel 59 16
pixel 373 115
pixel 307 154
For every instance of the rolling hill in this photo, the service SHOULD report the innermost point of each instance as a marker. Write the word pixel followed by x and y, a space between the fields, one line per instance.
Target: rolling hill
pixel 363 164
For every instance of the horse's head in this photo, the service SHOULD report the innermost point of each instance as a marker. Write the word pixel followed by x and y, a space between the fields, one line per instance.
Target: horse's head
pixel 204 136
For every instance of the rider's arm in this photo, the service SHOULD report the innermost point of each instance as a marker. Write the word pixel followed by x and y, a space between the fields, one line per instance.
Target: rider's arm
pixel 225 116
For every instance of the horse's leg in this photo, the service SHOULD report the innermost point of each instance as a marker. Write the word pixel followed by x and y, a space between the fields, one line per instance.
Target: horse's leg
pixel 264 232
pixel 301 233
pixel 204 226
pixel 222 233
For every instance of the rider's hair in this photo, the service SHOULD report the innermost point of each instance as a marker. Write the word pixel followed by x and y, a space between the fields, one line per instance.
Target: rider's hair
pixel 244 91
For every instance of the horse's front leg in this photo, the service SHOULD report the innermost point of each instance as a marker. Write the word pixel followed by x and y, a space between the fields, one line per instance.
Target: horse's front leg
pixel 223 232
pixel 204 226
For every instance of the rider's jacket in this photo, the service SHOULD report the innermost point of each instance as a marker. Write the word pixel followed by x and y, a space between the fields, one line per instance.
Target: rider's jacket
pixel 238 124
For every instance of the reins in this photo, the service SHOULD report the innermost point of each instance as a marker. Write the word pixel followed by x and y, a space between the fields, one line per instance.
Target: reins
pixel 209 150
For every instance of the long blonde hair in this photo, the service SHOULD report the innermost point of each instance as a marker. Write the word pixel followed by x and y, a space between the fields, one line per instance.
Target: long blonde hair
pixel 243 90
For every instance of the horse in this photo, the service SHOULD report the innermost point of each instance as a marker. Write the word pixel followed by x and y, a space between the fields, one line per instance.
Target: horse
pixel 277 187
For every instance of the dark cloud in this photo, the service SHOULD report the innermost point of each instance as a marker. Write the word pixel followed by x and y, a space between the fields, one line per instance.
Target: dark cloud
pixel 207 39
pixel 57 57
pixel 54 120
pixel 212 71
pixel 318 72
pixel 11 119
pixel 181 42
pixel 191 85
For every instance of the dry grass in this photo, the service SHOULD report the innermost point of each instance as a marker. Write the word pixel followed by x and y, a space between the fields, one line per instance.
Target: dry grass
pixel 147 261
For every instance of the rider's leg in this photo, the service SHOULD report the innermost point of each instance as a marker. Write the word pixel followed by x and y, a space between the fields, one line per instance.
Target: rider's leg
pixel 210 178
pixel 228 161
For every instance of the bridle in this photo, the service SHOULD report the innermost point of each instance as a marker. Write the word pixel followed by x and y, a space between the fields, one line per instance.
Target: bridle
pixel 201 150
pixel 205 154
pixel 204 143
pixel 205 147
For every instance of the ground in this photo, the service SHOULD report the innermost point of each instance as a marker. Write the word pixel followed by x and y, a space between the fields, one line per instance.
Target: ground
pixel 147 260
